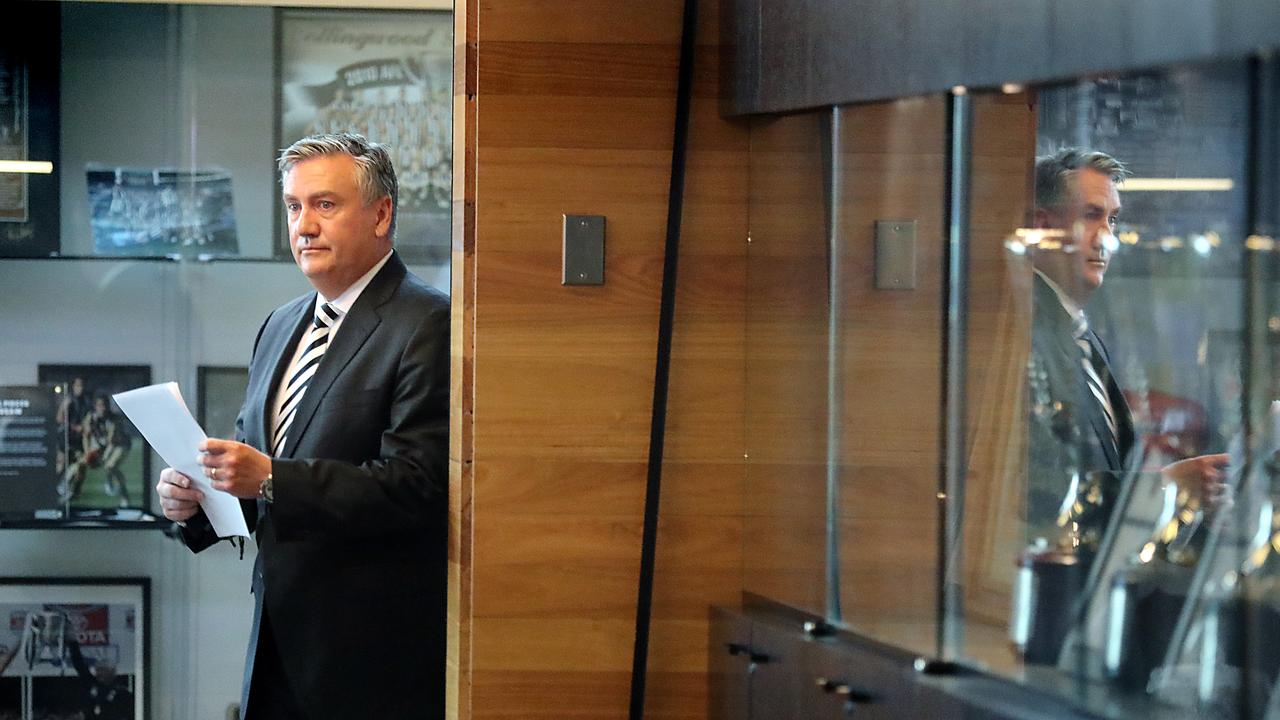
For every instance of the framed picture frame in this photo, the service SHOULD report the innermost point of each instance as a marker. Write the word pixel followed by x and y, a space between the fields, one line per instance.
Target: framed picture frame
pixel 387 75
pixel 75 647
pixel 29 72
pixel 28 431
pixel 161 212
pixel 103 463
pixel 220 391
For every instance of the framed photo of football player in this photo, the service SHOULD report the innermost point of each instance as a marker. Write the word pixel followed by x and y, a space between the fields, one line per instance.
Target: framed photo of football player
pixel 102 461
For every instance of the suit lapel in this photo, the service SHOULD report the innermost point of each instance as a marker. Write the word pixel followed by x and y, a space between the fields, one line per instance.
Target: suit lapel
pixel 355 330
pixel 280 350
pixel 1058 323
pixel 1119 404
pixel 1097 416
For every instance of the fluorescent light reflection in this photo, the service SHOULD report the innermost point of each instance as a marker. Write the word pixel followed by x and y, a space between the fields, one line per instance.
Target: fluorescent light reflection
pixel 1176 185
pixel 37 167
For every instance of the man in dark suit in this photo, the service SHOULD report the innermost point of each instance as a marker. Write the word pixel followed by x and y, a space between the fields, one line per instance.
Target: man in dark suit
pixel 1081 437
pixel 341 459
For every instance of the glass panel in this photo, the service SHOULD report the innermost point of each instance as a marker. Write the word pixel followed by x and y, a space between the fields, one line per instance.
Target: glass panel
pixel 785 555
pixel 1106 434
pixel 891 268
pixel 843 374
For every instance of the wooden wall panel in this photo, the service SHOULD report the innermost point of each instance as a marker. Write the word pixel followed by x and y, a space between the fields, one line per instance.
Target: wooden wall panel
pixel 571 110
pixel 892 158
pixel 784 543
pixel 999 332
pixel 893 168
pixel 459 680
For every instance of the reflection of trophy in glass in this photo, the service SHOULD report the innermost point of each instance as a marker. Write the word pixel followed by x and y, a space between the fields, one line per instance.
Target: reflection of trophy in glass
pixel 1147 596
pixel 45 633
pixel 1241 616
pixel 42 638
pixel 1051 576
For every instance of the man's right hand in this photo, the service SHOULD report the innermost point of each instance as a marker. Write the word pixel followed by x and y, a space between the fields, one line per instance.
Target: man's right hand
pixel 179 497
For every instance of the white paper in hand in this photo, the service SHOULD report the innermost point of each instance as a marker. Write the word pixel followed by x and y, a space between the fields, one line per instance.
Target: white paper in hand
pixel 162 417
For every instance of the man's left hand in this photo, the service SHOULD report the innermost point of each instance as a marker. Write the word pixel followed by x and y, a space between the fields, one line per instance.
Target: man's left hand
pixel 234 467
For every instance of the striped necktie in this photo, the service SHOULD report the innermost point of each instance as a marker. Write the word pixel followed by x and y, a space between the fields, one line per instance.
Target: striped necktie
pixel 1093 378
pixel 300 374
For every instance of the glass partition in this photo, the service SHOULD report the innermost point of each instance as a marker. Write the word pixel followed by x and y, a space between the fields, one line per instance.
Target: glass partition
pixel 1116 482
pixel 785 539
pixel 138 145
pixel 843 328
pixel 889 261
pixel 1113 540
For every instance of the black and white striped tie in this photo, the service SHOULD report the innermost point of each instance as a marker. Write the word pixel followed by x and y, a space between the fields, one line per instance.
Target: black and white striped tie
pixel 1093 378
pixel 301 373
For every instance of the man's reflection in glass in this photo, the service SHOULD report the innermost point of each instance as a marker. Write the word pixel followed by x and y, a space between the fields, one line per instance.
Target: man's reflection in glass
pixel 1082 432
pixel 1081 441
pixel 1091 434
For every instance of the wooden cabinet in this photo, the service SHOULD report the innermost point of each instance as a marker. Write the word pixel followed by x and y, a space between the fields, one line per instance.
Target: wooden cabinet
pixel 772 669
pixel 838 681
pixel 729 666
pixel 765 665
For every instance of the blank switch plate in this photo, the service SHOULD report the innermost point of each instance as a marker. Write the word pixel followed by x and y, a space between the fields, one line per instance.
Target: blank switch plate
pixel 583 258
pixel 895 254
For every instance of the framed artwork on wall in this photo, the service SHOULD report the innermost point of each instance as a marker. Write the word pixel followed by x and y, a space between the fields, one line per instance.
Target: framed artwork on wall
pixel 387 75
pixel 220 392
pixel 102 461
pixel 28 450
pixel 74 647
pixel 29 222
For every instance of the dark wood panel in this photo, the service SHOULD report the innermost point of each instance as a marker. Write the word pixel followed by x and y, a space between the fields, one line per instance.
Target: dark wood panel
pixel 806 54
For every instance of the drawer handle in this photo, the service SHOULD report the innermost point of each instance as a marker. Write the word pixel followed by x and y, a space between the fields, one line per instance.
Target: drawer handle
pixel 843 689
pixel 752 655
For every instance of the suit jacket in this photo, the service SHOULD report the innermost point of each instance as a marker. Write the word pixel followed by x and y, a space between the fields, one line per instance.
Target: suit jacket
pixel 1067 429
pixel 352 553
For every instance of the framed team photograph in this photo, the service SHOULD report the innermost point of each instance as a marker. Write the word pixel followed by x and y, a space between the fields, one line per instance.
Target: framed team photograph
pixel 74 648
pixel 102 462
pixel 387 75
pixel 161 211
pixel 220 392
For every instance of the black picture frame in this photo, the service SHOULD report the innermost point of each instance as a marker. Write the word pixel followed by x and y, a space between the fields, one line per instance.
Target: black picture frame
pixel 388 75
pixel 87 483
pixel 73 645
pixel 29 76
pixel 220 392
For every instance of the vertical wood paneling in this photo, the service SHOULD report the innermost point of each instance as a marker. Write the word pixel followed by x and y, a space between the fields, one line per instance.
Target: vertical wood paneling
pixel 893 168
pixel 784 541
pixel 570 109
pixel 462 367
pixel 999 337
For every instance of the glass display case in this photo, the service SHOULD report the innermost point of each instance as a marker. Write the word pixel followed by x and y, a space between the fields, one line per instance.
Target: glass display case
pixel 141 233
pixel 1012 382
pixel 140 241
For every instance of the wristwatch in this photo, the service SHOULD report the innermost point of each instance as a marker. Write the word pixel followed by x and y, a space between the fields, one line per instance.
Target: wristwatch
pixel 266 490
